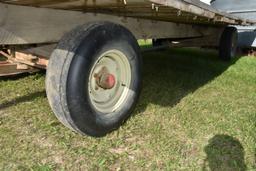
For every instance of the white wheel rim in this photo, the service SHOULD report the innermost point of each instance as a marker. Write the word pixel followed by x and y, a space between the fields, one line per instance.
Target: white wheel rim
pixel 109 100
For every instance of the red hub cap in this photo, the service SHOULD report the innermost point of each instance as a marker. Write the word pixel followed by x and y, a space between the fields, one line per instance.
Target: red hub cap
pixel 104 79
pixel 107 81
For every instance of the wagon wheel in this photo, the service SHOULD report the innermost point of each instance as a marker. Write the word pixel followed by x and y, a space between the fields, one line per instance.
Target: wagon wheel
pixel 228 43
pixel 94 78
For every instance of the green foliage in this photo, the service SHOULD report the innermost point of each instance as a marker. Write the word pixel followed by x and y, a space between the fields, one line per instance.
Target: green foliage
pixel 195 113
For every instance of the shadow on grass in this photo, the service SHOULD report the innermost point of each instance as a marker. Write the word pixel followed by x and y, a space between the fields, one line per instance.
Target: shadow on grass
pixel 224 153
pixel 21 75
pixel 170 75
pixel 22 99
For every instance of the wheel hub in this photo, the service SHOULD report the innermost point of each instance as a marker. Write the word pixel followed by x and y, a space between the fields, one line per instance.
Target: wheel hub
pixel 109 81
pixel 104 79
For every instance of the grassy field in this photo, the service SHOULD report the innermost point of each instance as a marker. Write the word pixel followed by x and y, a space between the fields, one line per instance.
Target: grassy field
pixel 195 113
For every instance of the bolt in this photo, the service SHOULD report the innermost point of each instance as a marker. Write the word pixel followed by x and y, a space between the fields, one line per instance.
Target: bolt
pixel 157 8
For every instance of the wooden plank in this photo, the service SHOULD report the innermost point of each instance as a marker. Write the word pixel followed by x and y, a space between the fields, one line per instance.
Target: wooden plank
pixel 202 10
pixel 151 9
pixel 8 69
pixel 40 25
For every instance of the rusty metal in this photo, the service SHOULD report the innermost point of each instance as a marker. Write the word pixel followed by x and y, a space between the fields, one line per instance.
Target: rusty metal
pixel 250 52
pixel 104 79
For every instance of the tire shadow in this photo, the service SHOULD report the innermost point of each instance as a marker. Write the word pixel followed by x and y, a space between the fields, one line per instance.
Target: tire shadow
pixel 224 153
pixel 22 99
pixel 170 75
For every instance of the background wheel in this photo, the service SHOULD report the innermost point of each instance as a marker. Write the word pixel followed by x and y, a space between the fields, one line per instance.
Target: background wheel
pixel 228 43
pixel 94 78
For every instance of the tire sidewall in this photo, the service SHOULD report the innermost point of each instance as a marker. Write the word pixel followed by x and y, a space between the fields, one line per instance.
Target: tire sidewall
pixel 83 114
pixel 234 38
pixel 227 52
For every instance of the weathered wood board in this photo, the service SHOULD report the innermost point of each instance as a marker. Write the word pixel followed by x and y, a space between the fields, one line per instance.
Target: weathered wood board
pixel 31 25
pixel 182 11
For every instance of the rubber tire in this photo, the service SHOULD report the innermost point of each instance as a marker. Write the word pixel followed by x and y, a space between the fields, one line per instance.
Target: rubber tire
pixel 68 74
pixel 228 43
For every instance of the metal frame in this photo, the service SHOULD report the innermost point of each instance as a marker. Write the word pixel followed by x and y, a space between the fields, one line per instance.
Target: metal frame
pixel 40 25
pixel 182 22
pixel 186 11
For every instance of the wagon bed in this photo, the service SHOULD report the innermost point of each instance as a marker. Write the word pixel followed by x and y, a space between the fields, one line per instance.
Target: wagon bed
pixel 182 11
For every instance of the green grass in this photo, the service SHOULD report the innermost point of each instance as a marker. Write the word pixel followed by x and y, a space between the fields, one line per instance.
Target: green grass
pixel 195 113
pixel 2 58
